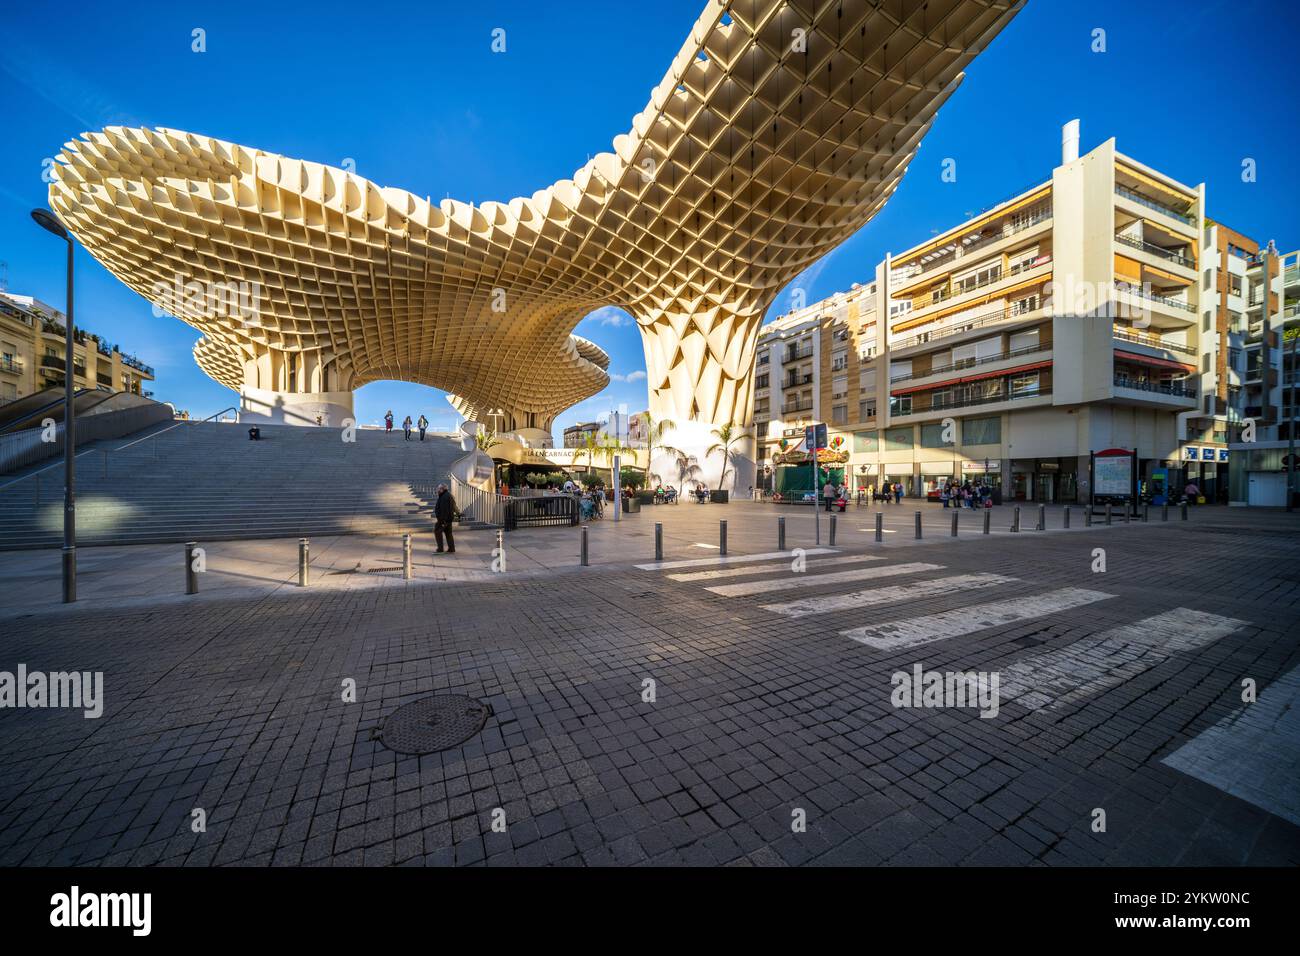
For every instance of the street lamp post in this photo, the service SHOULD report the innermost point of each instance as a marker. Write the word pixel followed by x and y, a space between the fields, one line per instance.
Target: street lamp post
pixel 45 219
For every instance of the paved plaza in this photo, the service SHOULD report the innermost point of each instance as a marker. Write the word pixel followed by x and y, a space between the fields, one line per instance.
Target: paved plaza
pixel 699 710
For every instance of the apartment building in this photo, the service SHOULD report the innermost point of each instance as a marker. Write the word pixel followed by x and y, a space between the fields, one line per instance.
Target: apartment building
pixel 1265 372
pixel 33 349
pixel 1062 321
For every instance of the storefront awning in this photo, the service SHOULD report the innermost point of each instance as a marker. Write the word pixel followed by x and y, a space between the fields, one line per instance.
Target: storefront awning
pixel 1152 360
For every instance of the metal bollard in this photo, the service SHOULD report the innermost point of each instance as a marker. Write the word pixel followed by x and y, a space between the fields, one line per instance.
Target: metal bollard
pixel 988 516
pixel 880 526
pixel 1108 512
pixel 406 555
pixel 659 541
pixel 918 526
pixel 780 533
pixel 1164 511
pixel 832 530
pixel 1183 516
pixel 1087 517
pixel 954 524
pixel 1146 512
pixel 584 546
pixel 1015 520
pixel 191 576
pixel 1067 517
pixel 1128 513
pixel 722 538
pixel 304 559
pixel 1042 518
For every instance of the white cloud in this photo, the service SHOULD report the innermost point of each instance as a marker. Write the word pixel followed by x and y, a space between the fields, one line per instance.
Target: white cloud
pixel 636 376
pixel 609 316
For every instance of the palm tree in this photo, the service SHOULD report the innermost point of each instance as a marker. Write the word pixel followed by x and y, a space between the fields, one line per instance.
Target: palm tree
pixel 655 432
pixel 728 435
pixel 587 450
pixel 487 440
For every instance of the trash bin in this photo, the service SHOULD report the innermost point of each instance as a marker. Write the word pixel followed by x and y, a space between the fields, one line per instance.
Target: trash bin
pixel 719 497
pixel 631 505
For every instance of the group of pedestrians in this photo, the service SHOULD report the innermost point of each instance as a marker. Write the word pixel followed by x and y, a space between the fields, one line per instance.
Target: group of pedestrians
pixel 422 424
pixel 889 491
pixel 967 494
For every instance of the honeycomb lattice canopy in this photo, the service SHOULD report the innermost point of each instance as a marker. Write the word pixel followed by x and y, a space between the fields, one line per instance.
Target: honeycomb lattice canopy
pixel 780 129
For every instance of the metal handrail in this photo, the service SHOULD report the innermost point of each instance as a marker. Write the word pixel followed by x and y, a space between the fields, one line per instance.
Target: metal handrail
pixel 975 322
pixel 183 421
pixel 946 261
pixel 1153 341
pixel 475 504
pixel 1152 248
pixel 1172 213
pixel 1141 293
pixel 972 363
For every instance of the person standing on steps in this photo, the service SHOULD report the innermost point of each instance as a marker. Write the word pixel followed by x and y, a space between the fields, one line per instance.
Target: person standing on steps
pixel 406 427
pixel 424 424
pixel 444 511
pixel 388 420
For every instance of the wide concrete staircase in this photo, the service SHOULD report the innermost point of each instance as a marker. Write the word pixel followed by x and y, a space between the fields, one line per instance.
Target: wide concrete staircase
pixel 209 482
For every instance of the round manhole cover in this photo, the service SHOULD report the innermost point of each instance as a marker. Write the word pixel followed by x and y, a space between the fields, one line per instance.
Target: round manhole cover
pixel 433 724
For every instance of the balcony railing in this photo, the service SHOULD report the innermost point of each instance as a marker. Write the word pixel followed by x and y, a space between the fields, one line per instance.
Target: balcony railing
pixel 975 322
pixel 136 364
pixel 13 365
pixel 943 295
pixel 794 381
pixel 943 403
pixel 796 355
pixel 1154 341
pixel 1121 190
pixel 968 363
pixel 1138 291
pixel 1160 388
pixel 1156 250
pixel 796 408
pixel 946 262
pixel 53 361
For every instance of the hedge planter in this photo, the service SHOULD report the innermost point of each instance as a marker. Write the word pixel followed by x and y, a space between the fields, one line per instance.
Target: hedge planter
pixel 718 497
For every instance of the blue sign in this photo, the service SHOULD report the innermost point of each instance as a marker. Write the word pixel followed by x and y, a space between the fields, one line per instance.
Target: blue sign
pixel 814 436
pixel 1207 454
pixel 1223 454
pixel 1189 453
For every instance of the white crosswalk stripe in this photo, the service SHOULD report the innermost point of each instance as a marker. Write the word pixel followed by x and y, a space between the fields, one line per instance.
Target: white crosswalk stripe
pixel 806 580
pixel 1093 664
pixel 771 568
pixel 895 635
pixel 730 559
pixel 887 595
pixel 1254 752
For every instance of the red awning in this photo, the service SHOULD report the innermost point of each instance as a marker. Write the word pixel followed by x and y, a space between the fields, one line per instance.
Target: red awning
pixel 1152 360
pixel 971 378
pixel 1008 371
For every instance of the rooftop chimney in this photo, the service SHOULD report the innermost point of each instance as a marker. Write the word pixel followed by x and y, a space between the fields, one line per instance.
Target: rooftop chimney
pixel 1070 142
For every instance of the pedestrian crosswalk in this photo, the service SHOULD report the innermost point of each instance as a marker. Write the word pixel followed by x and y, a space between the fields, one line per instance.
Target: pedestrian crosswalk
pixel 750 571
pixel 912 632
pixel 1052 678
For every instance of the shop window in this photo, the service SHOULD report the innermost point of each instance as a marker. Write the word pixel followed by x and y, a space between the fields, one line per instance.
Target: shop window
pixel 981 431
pixel 866 442
pixel 932 436
pixel 899 439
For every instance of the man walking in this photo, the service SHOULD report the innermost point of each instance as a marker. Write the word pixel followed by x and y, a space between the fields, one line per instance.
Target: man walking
pixel 424 424
pixel 444 511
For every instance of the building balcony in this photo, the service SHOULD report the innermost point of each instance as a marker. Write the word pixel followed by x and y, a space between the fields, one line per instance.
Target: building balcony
pixel 1041 264
pixel 1009 316
pixel 1155 343
pixel 797 381
pixel 1185 218
pixel 939 406
pixel 1142 391
pixel 55 362
pixel 14 366
pixel 1011 355
pixel 796 355
pixel 946 261
pixel 1167 256
pixel 1142 301
pixel 796 409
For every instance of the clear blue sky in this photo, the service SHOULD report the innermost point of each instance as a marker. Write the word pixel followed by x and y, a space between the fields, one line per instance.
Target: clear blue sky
pixel 413 94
